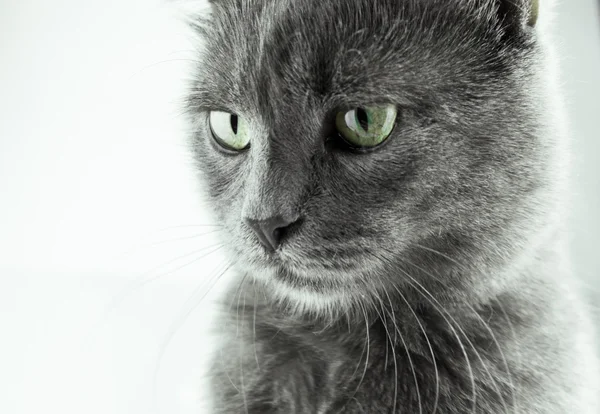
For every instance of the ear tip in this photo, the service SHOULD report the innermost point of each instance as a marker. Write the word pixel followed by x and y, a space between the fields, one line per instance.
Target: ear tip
pixel 534 12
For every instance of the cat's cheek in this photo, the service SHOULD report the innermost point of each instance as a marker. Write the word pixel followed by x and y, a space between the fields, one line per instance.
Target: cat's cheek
pixel 223 173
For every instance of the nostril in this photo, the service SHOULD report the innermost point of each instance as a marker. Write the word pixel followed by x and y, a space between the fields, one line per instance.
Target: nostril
pixel 272 231
pixel 278 234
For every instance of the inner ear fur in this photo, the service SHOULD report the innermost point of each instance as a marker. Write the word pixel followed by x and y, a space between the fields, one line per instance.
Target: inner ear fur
pixel 517 13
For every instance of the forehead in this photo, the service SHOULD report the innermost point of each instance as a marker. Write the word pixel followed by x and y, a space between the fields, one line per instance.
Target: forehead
pixel 264 51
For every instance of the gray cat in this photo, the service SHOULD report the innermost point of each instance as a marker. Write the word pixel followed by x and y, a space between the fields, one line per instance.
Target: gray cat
pixel 389 178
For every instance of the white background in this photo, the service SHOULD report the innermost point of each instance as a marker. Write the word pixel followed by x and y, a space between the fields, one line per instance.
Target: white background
pixel 98 195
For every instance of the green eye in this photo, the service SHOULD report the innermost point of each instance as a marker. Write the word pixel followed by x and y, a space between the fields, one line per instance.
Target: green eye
pixel 366 127
pixel 229 130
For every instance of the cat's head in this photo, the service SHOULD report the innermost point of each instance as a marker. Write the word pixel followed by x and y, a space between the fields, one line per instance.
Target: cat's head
pixel 350 145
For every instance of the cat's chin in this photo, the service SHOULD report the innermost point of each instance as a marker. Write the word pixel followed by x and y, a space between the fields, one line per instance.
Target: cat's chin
pixel 309 288
pixel 309 299
pixel 318 291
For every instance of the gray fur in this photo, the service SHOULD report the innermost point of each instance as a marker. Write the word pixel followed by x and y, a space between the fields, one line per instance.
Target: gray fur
pixel 427 276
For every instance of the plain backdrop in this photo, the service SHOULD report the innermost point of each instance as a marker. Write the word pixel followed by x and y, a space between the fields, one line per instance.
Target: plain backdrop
pixel 104 256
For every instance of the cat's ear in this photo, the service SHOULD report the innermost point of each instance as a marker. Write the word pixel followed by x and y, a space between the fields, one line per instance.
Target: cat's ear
pixel 518 14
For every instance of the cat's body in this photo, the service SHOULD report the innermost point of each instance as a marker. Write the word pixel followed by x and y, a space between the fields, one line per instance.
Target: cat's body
pixel 427 274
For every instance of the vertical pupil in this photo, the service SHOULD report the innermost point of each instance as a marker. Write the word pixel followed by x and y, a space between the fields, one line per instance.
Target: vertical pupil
pixel 362 118
pixel 234 123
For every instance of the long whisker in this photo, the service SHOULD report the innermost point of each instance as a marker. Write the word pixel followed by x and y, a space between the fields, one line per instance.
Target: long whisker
pixel 393 345
pixel 139 284
pixel 462 266
pixel 240 348
pixel 138 247
pixel 362 353
pixel 219 271
pixel 384 319
pixel 504 361
pixel 222 356
pixel 368 345
pixel 242 366
pixel 433 358
pixel 145 68
pixel 187 226
pixel 477 353
pixel 238 293
pixel 193 236
pixel 225 371
pixel 519 356
pixel 412 366
pixel 254 324
pixel 432 300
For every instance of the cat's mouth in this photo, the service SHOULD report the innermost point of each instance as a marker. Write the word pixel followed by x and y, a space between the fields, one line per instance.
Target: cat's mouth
pixel 285 274
pixel 295 276
pixel 300 269
pixel 308 281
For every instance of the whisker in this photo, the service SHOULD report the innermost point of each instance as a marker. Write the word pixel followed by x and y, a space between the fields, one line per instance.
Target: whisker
pixel 238 293
pixel 387 333
pixel 432 300
pixel 412 366
pixel 368 346
pixel 477 353
pixel 254 324
pixel 150 66
pixel 504 361
pixel 194 236
pixel 187 226
pixel 222 357
pixel 433 358
pixel 139 284
pixel 212 279
pixel 359 359
pixel 138 247
pixel 384 319
pixel 241 352
pixel 462 266
pixel 519 356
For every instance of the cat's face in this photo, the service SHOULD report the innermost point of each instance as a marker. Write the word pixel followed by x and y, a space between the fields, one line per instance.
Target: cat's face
pixel 458 168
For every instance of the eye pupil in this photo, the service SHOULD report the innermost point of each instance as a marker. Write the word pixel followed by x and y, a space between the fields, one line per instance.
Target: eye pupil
pixel 234 123
pixel 367 127
pixel 363 119
pixel 229 130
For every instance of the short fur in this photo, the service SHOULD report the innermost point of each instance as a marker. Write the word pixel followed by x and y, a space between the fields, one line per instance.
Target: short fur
pixel 427 276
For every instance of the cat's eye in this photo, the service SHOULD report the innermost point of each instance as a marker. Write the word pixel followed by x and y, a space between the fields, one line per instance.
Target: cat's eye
pixel 366 127
pixel 230 131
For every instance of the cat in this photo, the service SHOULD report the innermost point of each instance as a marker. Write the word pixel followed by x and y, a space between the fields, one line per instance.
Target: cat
pixel 390 181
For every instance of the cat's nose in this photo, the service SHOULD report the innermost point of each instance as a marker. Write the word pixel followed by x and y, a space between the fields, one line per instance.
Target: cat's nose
pixel 270 231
